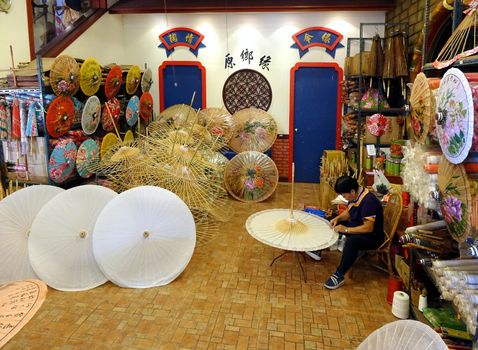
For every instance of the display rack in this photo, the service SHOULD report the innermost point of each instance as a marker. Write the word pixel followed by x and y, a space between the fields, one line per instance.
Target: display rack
pixel 397 110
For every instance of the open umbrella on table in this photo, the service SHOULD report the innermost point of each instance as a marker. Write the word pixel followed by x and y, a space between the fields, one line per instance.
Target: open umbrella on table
pixel 90 76
pixel 113 81
pixel 17 212
pixel 253 130
pixel 88 154
pixel 62 161
pixel 133 79
pixel 65 76
pixel 422 102
pixel 146 106
pixel 60 243
pixel 251 176
pixel 132 110
pixel 455 116
pixel 144 238
pixel 455 199
pixel 59 116
pixel 107 120
pixel 90 118
pixel 147 80
pixel 19 301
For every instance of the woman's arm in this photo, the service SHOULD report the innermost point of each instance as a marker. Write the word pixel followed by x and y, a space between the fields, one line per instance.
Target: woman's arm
pixel 366 227
pixel 344 216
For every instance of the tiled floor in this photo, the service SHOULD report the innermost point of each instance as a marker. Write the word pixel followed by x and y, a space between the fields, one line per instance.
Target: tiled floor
pixel 227 298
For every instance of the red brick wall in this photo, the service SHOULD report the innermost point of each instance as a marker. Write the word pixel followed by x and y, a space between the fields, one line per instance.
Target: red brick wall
pixel 280 155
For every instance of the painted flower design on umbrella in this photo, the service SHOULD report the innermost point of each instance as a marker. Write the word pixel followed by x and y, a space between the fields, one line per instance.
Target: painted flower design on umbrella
pixel 377 124
pixel 62 161
pixel 453 209
pixel 254 183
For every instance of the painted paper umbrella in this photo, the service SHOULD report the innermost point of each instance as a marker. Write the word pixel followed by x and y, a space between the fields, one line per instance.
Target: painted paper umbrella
pixel 180 114
pixel 146 106
pixel 88 154
pixel 132 110
pixel 90 118
pixel 113 81
pixel 133 79
pixel 251 176
pixel 59 116
pixel 62 161
pixel 108 142
pixel 17 212
pixel 78 111
pixel 253 130
pixel 31 127
pixel 15 310
pixel 145 237
pixel 147 80
pixel 218 122
pixel 376 124
pixel 128 137
pixel 65 76
pixel 60 242
pixel 90 77
pixel 422 102
pixel 111 114
pixel 455 116
pixel 455 199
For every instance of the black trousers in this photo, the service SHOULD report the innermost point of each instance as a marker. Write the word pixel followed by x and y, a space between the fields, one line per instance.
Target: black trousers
pixel 354 244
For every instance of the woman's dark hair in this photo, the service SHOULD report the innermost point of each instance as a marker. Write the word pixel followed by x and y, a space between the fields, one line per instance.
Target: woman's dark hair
pixel 345 184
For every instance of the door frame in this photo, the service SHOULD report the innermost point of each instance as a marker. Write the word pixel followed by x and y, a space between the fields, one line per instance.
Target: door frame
pixel 166 64
pixel 293 70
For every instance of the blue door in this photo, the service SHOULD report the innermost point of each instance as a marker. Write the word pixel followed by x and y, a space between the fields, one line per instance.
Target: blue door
pixel 178 81
pixel 315 118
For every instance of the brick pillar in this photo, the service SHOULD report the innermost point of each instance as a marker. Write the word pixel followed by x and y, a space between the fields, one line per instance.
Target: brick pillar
pixel 280 155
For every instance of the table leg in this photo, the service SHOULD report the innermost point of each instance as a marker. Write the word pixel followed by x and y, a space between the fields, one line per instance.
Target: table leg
pixel 297 256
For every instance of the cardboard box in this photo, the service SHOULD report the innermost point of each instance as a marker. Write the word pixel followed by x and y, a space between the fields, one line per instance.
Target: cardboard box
pixel 403 270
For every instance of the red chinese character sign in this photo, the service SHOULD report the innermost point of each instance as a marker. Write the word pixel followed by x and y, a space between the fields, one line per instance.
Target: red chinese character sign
pixel 181 37
pixel 317 36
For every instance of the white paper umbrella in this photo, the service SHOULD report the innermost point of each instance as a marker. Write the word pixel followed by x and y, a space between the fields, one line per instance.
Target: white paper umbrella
pixel 301 232
pixel 60 243
pixel 17 212
pixel 144 238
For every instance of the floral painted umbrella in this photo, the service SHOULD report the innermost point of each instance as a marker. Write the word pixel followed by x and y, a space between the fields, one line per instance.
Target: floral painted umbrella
pixel 147 80
pixel 114 106
pixel 251 176
pixel 62 161
pixel 180 114
pixel 59 116
pixel 90 118
pixel 218 122
pixel 65 76
pixel 113 81
pixel 253 130
pixel 90 77
pixel 376 124
pixel 132 110
pixel 133 79
pixel 422 104
pixel 455 116
pixel 455 199
pixel 146 106
pixel 88 153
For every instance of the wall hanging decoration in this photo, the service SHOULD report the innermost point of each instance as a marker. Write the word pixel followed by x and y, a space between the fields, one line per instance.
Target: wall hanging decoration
pixel 91 115
pixel 132 110
pixel 88 154
pixel 181 36
pixel 147 80
pixel 62 161
pixel 113 81
pixel 59 116
pixel 108 119
pixel 246 88
pixel 317 36
pixel 133 79
pixel 146 106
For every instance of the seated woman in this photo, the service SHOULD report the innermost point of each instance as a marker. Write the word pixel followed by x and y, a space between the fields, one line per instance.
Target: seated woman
pixel 362 223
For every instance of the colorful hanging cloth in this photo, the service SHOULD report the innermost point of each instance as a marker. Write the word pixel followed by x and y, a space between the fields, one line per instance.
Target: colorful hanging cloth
pixel 31 128
pixel 3 122
pixel 16 127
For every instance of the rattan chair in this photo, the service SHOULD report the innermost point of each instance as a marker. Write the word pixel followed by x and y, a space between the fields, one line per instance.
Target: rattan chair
pixel 391 217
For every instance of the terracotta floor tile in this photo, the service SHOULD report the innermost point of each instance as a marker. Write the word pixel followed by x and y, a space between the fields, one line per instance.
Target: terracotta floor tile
pixel 228 297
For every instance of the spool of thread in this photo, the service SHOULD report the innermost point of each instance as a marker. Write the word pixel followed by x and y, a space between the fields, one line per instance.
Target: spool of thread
pixel 422 302
pixel 400 305
pixel 394 284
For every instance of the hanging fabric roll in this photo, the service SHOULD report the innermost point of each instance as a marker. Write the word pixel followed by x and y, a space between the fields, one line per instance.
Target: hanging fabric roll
pixel 31 129
pixel 3 122
pixel 23 125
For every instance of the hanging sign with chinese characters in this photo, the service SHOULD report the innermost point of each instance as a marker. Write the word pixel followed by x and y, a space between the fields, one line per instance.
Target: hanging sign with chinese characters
pixel 317 36
pixel 181 37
